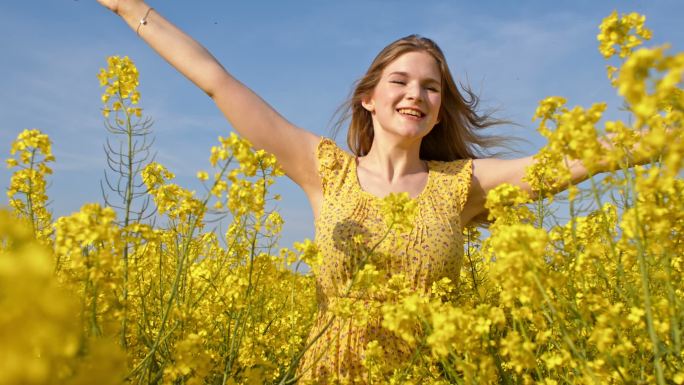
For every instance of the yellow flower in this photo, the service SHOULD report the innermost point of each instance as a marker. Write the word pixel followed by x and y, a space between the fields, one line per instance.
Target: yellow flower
pixel 155 174
pixel 27 190
pixel 309 253
pixel 635 315
pixel 50 347
pixel 505 203
pixel 549 107
pixel 399 210
pixel 121 82
pixel 625 32
pixel 678 378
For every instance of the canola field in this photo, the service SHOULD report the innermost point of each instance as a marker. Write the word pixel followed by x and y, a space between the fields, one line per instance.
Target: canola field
pixel 145 290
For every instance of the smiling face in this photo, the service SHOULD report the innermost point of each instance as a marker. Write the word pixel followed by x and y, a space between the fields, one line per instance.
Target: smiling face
pixel 406 100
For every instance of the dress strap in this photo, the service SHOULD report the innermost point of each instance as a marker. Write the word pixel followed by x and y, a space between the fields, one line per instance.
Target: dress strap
pixel 453 181
pixel 333 164
pixel 463 181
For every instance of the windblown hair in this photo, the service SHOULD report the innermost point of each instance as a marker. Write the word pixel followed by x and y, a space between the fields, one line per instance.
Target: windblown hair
pixel 456 136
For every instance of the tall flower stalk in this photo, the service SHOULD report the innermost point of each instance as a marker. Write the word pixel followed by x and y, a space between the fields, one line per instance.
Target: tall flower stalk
pixel 124 119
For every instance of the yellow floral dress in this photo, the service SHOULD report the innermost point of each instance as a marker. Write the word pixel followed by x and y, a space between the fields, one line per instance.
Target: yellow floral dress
pixel 431 250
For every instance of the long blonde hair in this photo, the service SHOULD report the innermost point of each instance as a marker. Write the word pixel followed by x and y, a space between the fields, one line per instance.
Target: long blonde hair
pixel 456 135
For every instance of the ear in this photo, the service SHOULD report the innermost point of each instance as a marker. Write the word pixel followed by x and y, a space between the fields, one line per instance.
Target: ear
pixel 369 105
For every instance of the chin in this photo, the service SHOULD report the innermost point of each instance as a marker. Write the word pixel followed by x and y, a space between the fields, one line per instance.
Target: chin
pixel 403 131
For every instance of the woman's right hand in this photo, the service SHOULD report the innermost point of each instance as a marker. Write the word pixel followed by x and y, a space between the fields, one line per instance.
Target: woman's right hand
pixel 117 6
pixel 112 5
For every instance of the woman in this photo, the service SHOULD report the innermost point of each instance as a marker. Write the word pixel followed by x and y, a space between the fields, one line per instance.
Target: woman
pixel 411 131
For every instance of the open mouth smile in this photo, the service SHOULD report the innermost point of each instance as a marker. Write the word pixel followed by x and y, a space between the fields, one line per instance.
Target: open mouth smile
pixel 411 112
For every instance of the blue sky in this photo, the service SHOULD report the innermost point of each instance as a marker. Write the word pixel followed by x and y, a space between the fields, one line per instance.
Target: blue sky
pixel 302 57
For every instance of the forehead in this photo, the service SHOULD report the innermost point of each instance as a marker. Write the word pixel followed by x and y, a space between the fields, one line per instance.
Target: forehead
pixel 416 64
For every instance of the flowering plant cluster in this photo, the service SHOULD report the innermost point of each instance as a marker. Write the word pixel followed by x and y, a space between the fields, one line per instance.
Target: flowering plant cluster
pixel 597 299
pixel 187 305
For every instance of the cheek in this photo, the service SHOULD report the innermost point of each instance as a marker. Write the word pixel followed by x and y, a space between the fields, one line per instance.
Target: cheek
pixel 437 104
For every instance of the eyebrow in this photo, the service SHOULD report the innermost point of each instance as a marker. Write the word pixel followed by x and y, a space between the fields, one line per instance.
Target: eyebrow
pixel 402 73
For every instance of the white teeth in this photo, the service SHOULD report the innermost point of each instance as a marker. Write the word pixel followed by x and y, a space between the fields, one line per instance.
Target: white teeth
pixel 408 111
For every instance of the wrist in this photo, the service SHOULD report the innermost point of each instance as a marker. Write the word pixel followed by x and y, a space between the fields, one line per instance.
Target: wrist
pixel 132 11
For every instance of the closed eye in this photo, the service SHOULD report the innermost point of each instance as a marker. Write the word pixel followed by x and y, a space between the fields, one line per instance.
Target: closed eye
pixel 398 82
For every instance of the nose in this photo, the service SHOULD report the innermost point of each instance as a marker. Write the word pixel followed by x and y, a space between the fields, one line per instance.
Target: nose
pixel 414 91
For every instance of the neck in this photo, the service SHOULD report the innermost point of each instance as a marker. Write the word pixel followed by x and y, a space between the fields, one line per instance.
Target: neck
pixel 391 159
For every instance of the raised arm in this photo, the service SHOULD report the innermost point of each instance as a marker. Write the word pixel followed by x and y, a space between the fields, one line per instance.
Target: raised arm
pixel 251 116
pixel 490 173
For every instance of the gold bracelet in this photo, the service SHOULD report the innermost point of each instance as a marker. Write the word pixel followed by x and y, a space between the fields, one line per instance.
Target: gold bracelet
pixel 143 21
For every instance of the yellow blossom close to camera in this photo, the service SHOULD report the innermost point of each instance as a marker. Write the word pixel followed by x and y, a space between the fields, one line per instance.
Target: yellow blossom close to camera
pixel 626 32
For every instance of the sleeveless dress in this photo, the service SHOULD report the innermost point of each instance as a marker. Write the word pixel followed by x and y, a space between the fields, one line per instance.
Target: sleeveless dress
pixel 431 250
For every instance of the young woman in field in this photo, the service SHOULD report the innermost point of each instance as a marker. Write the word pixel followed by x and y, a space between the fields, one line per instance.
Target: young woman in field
pixel 411 131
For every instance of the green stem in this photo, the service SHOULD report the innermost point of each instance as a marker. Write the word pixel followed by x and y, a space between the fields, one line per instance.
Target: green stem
pixel 128 201
pixel 641 256
pixel 29 197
